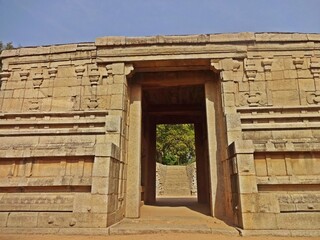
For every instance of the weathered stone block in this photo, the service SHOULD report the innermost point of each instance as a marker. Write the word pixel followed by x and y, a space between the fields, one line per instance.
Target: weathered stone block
pixel 117 102
pixel 101 185
pixel 3 219
pixel 300 220
pixel 26 220
pixel 285 98
pixel 101 167
pixel 259 221
pixel 259 203
pixel 245 163
pixel 113 123
pixel 248 184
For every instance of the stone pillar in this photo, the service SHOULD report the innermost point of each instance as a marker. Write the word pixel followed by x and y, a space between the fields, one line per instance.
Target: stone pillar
pixel 212 142
pixel 150 190
pixel 133 197
pixel 201 161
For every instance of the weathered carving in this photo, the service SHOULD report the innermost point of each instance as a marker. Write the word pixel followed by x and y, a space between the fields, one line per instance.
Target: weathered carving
pixel 227 68
pixel 128 69
pixel 52 72
pixel 92 103
pixel 79 71
pixel 250 70
pixel 94 77
pixel 313 97
pixel 4 76
pixel 267 64
pixel 34 105
pixel 24 75
pixel 315 67
pixel 298 62
pixel 252 99
pixel 37 80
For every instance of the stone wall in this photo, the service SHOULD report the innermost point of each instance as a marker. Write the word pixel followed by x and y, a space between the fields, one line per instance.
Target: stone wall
pixel 192 176
pixel 64 127
pixel 160 178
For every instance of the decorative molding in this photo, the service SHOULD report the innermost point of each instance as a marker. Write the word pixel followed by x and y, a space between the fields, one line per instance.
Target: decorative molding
pixel 79 70
pixel 94 77
pixel 252 99
pixel 315 67
pixel 128 69
pixel 52 72
pixel 267 64
pixel 4 76
pixel 298 62
pixel 250 69
pixel 313 97
pixel 34 105
pixel 37 80
pixel 24 75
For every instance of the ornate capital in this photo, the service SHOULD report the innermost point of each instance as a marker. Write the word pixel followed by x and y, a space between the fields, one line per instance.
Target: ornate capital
pixel 298 62
pixel 79 71
pixel 24 75
pixel 315 67
pixel 52 72
pixel 94 75
pixel 128 69
pixel 250 70
pixel 266 64
pixel 4 76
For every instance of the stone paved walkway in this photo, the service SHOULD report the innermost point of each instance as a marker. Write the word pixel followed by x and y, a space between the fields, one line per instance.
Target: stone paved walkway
pixel 174 215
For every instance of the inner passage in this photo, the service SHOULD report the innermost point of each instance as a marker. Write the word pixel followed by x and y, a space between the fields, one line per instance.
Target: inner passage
pixel 176 161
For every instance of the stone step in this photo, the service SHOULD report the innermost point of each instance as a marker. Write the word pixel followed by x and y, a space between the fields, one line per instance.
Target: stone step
pixel 176 182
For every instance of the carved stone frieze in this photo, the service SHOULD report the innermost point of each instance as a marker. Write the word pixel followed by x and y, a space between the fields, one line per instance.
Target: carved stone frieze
pixel 252 99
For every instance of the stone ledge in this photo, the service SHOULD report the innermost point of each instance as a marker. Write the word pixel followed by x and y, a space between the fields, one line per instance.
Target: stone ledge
pixel 45 50
pixel 60 231
pixel 282 233
pixel 207 38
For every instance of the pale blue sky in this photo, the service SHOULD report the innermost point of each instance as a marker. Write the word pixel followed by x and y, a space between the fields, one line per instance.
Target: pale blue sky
pixel 44 22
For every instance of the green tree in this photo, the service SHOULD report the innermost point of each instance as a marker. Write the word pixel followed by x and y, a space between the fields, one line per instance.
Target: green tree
pixel 4 46
pixel 175 144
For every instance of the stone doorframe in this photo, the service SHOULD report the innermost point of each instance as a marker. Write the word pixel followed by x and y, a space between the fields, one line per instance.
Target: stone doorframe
pixel 133 197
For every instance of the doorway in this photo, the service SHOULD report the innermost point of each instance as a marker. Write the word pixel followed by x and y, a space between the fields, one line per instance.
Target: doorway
pixel 173 104
pixel 173 97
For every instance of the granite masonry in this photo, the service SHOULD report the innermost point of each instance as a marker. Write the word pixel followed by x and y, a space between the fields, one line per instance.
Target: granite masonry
pixel 77 128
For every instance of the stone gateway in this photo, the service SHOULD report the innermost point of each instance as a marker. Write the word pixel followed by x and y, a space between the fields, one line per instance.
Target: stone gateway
pixel 78 128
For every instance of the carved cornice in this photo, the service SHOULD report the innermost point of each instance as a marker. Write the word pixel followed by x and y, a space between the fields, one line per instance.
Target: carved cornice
pixel 4 76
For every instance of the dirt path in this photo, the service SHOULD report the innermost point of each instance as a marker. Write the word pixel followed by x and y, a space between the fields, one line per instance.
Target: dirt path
pixel 148 237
